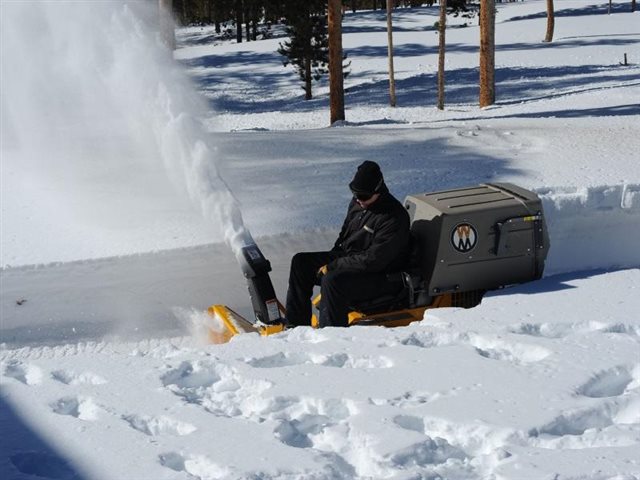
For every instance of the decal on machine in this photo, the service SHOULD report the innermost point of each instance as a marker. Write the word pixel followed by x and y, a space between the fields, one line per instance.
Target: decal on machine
pixel 273 310
pixel 254 253
pixel 464 237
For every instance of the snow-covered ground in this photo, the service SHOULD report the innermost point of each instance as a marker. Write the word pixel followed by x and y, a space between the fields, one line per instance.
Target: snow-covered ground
pixel 116 202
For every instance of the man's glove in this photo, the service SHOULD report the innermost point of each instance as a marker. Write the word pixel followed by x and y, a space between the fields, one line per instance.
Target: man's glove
pixel 322 271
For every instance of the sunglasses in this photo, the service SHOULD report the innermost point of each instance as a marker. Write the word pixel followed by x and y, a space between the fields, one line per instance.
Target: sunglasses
pixel 363 197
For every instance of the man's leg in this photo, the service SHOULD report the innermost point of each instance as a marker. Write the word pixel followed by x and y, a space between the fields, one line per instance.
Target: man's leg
pixel 340 290
pixel 302 278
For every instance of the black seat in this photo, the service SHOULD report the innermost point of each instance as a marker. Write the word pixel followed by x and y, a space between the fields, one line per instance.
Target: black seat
pixel 411 290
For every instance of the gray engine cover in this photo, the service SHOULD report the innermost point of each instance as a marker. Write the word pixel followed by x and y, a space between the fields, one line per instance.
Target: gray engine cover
pixel 478 238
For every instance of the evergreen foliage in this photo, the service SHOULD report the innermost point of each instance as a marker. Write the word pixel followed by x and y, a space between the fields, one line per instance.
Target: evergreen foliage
pixel 307 48
pixel 462 8
pixel 190 12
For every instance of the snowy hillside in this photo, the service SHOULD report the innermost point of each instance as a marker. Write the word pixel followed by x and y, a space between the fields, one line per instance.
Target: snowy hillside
pixel 124 173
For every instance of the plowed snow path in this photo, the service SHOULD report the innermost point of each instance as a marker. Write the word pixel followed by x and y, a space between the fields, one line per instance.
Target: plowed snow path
pixel 137 296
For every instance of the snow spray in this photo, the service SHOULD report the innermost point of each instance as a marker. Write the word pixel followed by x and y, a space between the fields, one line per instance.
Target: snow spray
pixel 88 91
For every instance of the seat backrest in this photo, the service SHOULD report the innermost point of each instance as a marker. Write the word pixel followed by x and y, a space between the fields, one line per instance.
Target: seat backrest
pixel 415 256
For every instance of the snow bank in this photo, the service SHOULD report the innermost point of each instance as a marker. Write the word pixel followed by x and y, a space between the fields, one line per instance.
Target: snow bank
pixel 596 227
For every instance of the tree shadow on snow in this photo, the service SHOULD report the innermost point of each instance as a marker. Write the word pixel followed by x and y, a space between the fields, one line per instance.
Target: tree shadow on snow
pixel 595 9
pixel 253 91
pixel 235 59
pixel 513 86
pixel 612 111
pixel 376 20
pixel 25 454
pixel 423 49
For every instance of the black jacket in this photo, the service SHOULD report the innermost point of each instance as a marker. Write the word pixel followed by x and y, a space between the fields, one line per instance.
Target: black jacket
pixel 375 239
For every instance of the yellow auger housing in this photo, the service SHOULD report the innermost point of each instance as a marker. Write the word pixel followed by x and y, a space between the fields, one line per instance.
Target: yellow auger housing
pixel 465 242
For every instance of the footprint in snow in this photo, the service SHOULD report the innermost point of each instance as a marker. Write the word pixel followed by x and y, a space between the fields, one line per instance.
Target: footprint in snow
pixel 72 378
pixel 305 418
pixel 408 399
pixel 432 339
pixel 622 411
pixel 560 330
pixel 610 424
pixel 298 432
pixel 431 451
pixel 159 425
pixel 197 466
pixel 543 330
pixel 610 383
pixel 338 360
pixel 192 375
pixel 488 347
pixel 216 387
pixel 83 408
pixel 623 329
pixel 23 372
pixel 516 353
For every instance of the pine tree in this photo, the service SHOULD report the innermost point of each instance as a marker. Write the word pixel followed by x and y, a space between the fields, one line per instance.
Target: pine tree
pixel 307 47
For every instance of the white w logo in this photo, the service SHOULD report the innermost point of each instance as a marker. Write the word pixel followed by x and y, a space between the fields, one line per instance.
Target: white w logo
pixel 464 237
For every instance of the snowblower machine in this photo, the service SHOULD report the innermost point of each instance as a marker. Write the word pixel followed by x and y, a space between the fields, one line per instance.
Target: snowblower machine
pixel 465 242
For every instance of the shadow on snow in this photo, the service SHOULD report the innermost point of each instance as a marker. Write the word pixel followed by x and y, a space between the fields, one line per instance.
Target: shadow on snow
pixel 26 454
pixel 597 9
pixel 553 283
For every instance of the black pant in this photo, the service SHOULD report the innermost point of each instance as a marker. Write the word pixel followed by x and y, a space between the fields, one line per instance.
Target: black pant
pixel 339 289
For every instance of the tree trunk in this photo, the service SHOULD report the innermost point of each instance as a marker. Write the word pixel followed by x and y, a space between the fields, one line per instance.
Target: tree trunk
pixel 633 5
pixel 247 21
pixel 442 27
pixel 550 21
pixel 167 28
pixel 610 7
pixel 336 75
pixel 216 15
pixel 307 78
pixel 392 80
pixel 487 52
pixel 254 22
pixel 238 8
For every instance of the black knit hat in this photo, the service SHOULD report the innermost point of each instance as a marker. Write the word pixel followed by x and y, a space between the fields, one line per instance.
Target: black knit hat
pixel 368 178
